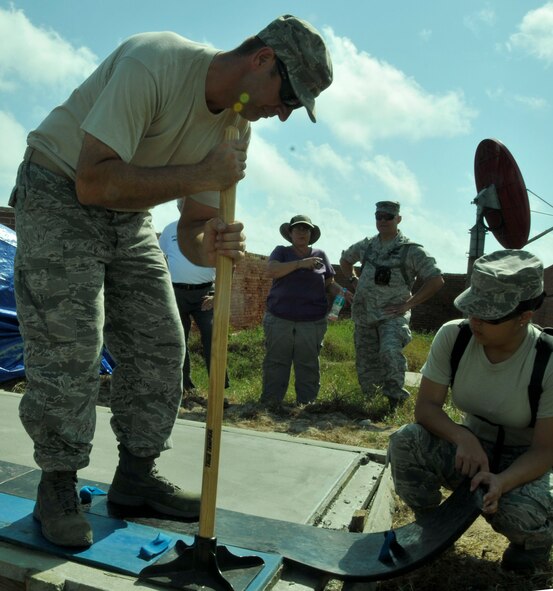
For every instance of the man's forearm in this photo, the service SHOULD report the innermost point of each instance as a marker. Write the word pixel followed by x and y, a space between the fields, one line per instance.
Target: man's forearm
pixel 190 240
pixel 427 290
pixel 105 180
pixel 114 184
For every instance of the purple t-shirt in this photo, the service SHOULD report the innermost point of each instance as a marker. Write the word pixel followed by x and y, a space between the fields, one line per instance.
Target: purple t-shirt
pixel 300 295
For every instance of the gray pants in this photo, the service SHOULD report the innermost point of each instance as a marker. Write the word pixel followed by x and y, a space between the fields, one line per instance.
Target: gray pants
pixel 422 463
pixel 378 356
pixel 290 342
pixel 85 276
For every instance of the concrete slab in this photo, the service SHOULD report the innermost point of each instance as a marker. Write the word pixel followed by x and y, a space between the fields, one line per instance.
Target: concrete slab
pixel 267 474
pixel 260 473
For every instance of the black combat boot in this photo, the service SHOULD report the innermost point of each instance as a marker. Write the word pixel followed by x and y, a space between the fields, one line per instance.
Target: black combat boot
pixel 518 559
pixel 136 482
pixel 58 510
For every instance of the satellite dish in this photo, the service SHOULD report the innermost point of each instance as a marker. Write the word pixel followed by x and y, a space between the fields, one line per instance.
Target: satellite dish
pixel 502 200
pixel 495 165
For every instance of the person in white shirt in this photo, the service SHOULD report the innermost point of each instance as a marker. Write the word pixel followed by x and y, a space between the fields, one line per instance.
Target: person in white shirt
pixel 193 286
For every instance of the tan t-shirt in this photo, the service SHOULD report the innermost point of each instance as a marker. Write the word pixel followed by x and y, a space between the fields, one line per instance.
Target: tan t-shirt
pixel 495 391
pixel 146 101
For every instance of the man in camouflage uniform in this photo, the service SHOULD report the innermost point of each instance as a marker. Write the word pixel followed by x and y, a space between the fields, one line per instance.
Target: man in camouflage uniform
pixel 145 128
pixel 390 263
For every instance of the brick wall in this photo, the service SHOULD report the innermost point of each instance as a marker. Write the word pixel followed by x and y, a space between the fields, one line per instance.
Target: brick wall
pixel 7 217
pixel 250 286
pixel 247 308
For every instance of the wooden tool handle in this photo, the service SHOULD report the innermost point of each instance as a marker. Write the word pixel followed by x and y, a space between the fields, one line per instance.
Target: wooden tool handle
pixel 218 366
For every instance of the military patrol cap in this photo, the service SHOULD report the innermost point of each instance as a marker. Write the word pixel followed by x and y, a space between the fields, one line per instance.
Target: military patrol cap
pixel 300 219
pixel 499 282
pixel 302 50
pixel 388 207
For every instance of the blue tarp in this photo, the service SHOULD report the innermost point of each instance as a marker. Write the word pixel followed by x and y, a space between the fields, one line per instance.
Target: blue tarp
pixel 11 343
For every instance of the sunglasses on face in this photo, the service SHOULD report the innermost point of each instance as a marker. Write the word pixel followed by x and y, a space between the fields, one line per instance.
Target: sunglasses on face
pixel 287 95
pixel 384 216
pixel 501 320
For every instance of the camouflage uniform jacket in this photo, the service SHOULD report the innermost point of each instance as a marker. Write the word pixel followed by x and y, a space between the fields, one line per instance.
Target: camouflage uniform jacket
pixel 370 299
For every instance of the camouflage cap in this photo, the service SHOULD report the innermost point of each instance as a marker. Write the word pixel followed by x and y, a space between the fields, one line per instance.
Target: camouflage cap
pixel 499 282
pixel 302 50
pixel 388 207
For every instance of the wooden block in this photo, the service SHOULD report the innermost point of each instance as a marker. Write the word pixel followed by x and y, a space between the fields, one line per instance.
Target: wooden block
pixel 358 520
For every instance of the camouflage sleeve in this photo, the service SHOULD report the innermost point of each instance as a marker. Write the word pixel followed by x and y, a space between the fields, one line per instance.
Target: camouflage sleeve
pixel 420 264
pixel 353 254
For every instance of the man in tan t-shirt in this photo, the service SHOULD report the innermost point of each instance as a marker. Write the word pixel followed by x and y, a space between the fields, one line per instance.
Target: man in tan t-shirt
pixel 145 128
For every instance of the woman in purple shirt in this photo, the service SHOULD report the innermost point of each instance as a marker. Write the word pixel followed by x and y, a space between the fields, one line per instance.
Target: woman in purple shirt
pixel 295 320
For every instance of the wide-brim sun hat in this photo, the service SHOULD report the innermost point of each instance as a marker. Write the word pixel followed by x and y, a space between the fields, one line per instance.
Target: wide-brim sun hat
pixel 499 282
pixel 300 219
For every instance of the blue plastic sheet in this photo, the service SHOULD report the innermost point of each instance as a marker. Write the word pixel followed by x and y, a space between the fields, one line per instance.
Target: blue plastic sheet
pixel 11 343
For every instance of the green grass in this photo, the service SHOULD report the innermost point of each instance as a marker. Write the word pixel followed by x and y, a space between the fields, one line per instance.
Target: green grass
pixel 340 390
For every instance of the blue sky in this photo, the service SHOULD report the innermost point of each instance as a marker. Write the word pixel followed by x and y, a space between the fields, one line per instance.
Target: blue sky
pixel 417 86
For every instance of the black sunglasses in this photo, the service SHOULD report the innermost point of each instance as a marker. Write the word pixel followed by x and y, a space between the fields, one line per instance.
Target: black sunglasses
pixel 384 216
pixel 501 320
pixel 287 95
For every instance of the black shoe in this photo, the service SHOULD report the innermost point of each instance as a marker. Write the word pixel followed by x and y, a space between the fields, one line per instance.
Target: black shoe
pixel 517 558
pixel 137 482
pixel 58 510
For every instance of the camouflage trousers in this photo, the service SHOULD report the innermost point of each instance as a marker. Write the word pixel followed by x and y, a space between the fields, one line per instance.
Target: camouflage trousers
pixel 288 342
pixel 421 463
pixel 85 276
pixel 378 356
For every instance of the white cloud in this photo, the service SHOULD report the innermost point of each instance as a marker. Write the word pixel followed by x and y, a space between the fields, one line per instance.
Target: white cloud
pixel 324 157
pixel 12 145
pixel 270 175
pixel 535 33
pixel 425 34
pixel 38 57
pixel 485 16
pixel 371 100
pixel 533 102
pixel 395 176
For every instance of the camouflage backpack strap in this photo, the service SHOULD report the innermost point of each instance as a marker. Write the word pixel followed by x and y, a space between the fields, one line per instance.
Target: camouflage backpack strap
pixel 367 255
pixel 461 342
pixel 403 267
pixel 544 347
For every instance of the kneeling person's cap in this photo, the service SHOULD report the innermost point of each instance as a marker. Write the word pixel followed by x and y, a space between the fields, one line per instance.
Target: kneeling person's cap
pixel 302 50
pixel 499 282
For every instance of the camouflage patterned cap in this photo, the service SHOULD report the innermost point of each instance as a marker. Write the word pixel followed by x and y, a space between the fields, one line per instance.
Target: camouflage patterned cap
pixel 302 50
pixel 388 207
pixel 499 282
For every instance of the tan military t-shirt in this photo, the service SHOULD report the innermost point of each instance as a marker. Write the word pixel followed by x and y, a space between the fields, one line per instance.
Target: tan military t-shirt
pixel 146 101
pixel 496 391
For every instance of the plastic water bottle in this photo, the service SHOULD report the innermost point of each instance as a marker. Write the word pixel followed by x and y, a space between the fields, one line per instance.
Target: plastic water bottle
pixel 337 305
